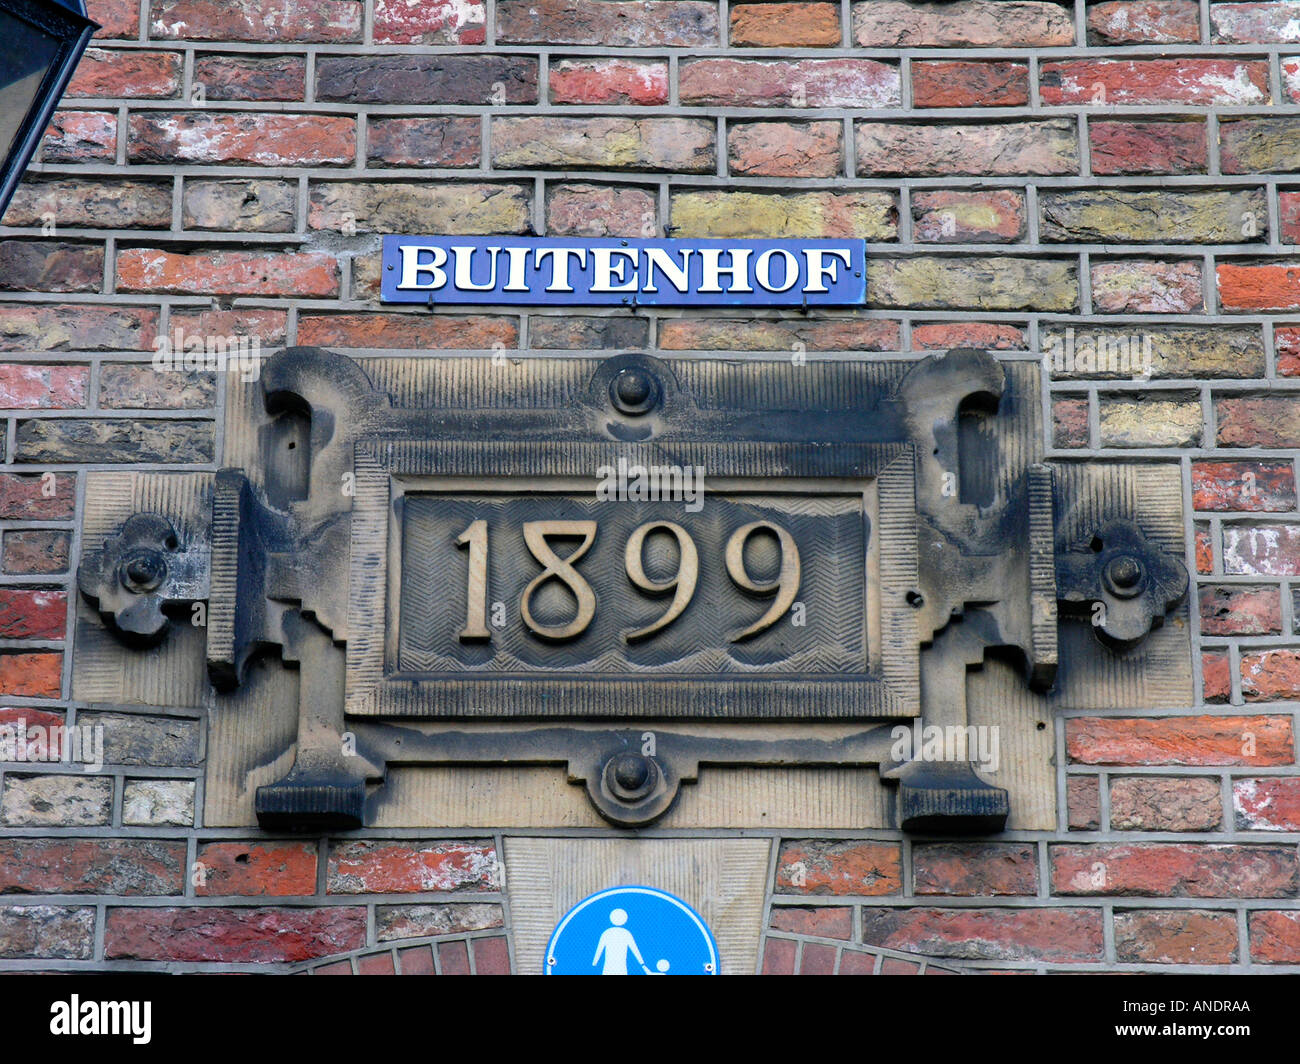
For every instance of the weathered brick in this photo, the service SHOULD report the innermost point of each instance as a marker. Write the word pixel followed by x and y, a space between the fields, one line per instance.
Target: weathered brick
pixel 992 336
pixel 47 931
pixel 1286 343
pixel 785 25
pixel 247 77
pixel 1255 23
pixel 869 214
pixel 46 266
pixel 453 958
pixel 681 144
pixel 941 83
pixel 491 956
pixel 622 24
pixel 600 210
pixel 1275 936
pixel 32 552
pixel 34 675
pixel 158 803
pixel 973 23
pixel 840 868
pixel 233 935
pixel 277 869
pixel 261 139
pixel 334 21
pixel 429 22
pixel 91 203
pixel 966 283
pixel 441 141
pixel 1271 675
pixel 1061 935
pixel 80 136
pixel 1147 421
pixel 778 334
pixel 1266 803
pixel 1145 22
pixel 1204 550
pixel 1135 286
pixel 975 869
pixel 1291 79
pixel 266 326
pixel 569 333
pixel 104 72
pixel 33 613
pixel 68 327
pixel 822 921
pixel 1232 609
pixel 988 149
pixel 789 83
pixel 56 801
pixel 855 962
pixel 1142 147
pixel 126 386
pixel 1115 215
pixel 240 206
pixel 1070 426
pixel 1184 351
pixel 45 497
pixel 419 921
pixel 1171 936
pixel 1192 741
pixel 1174 870
pixel 95 440
pixel 32 386
pixel 1162 803
pixel 1083 802
pixel 302 274
pixel 474 80
pixel 786 149
pixel 411 331
pixel 1258 421
pixel 1264 550
pixel 143 867
pixel 1216 674
pixel 412 867
pixel 961 216
pixel 1121 82
pixel 119 19
pixel 136 739
pixel 622 82
pixel 1259 145
pixel 417 960
pixel 1243 486
pixel 1258 286
pixel 1288 208
pixel 445 207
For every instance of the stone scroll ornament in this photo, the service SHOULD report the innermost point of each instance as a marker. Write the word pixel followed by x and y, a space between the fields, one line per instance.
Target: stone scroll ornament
pixel 424 547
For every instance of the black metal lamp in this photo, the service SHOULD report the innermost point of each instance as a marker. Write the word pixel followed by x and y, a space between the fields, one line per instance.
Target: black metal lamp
pixel 40 44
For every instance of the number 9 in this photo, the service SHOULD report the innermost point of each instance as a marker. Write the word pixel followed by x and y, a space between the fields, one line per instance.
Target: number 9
pixel 684 580
pixel 785 586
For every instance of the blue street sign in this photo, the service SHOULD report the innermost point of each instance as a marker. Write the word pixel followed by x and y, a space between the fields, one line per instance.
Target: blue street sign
pixel 612 272
pixel 631 931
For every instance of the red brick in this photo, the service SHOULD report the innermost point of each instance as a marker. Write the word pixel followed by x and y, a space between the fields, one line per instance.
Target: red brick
pixel 418 960
pixel 789 83
pixel 600 210
pixel 239 77
pixel 32 614
pixel 786 149
pixel 1260 421
pixel 966 23
pixel 839 868
pixel 36 551
pixel 992 336
pixel 1231 609
pixel 1053 935
pixel 376 964
pixel 442 141
pixel 857 962
pixel 334 21
pixel 992 149
pixel 118 19
pixel 1267 550
pixel 411 867
pixel 1142 147
pixel 278 869
pixel 1291 79
pixel 943 83
pixel 954 216
pixel 491 956
pixel 1254 23
pixel 80 136
pixel 821 921
pixel 1204 551
pixel 1171 936
pixel 31 386
pixel 267 326
pixel 1129 286
pixel 778 956
pixel 897 966
pixel 407 331
pixel 143 867
pixel 1145 21
pixel 1174 870
pixel 785 25
pixel 49 266
pixel 1275 936
pixel 817 959
pixel 1165 803
pixel 975 869
pixel 1116 82
pixel 1289 216
pixel 69 327
pixel 337 968
pixel 453 958
pixel 1206 740
pixel 251 273
pixel 1262 286
pixel 1070 426
pixel 1266 803
pixel 1243 486
pixel 127 74
pixel 1271 676
pixel 431 22
pixel 1286 343
pixel 241 935
pixel 263 139
pixel 765 334
pixel 34 675
pixel 609 81
pixel 1083 800
pixel 1216 674
pixel 608 24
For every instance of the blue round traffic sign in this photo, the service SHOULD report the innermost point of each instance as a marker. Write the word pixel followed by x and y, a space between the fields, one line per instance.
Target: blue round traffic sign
pixel 631 931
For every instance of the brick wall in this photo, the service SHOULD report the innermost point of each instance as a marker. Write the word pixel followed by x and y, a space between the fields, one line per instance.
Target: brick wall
pixel 1027 173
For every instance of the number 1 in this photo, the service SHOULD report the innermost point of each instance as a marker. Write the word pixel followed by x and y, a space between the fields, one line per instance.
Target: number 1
pixel 476 629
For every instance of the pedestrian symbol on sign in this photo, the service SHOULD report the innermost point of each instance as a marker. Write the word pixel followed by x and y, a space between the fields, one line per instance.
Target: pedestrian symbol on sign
pixel 631 931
